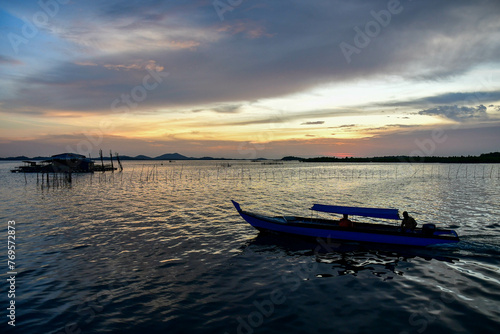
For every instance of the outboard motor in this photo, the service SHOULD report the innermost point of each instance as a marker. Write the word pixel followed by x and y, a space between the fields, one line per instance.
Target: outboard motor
pixel 428 229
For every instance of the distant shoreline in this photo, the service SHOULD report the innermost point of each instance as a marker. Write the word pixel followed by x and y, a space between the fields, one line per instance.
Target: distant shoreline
pixel 493 157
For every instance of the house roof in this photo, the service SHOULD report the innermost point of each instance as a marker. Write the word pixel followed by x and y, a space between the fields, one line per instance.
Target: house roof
pixel 68 156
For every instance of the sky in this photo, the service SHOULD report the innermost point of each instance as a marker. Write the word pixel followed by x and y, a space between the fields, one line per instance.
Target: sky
pixel 250 78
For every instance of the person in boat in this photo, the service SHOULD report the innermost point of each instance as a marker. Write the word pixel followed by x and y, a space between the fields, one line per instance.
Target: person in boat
pixel 345 222
pixel 408 223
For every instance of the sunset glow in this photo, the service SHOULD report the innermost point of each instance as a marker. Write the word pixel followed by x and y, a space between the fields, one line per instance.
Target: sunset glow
pixel 290 77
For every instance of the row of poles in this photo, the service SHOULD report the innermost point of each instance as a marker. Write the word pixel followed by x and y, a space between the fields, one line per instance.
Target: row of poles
pixel 148 173
pixel 117 157
pixel 57 179
pixel 154 173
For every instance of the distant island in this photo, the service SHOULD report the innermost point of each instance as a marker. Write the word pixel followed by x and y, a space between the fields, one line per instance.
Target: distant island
pixel 493 157
pixel 167 156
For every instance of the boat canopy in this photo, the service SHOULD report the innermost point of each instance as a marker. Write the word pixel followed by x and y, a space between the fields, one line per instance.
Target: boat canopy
pixel 357 211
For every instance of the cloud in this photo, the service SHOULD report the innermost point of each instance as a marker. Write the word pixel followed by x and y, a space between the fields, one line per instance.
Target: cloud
pixel 462 98
pixel 256 53
pixel 281 116
pixel 140 65
pixel 85 63
pixel 456 141
pixel 146 26
pixel 4 60
pixel 401 126
pixel 313 123
pixel 222 109
pixel 101 51
pixel 136 65
pixel 250 29
pixel 228 109
pixel 460 114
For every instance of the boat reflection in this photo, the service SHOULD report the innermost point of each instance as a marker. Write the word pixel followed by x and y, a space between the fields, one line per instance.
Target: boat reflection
pixel 349 258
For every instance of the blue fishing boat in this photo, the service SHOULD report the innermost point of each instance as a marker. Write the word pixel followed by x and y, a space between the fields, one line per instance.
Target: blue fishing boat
pixel 311 227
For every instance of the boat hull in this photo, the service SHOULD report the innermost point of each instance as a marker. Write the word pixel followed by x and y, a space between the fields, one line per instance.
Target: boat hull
pixel 329 230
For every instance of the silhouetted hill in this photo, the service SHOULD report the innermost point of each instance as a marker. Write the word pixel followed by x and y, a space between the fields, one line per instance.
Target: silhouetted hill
pixel 21 157
pixel 143 157
pixel 172 156
pixel 291 158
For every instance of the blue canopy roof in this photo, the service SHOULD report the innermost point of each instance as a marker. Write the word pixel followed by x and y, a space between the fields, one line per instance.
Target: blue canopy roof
pixel 356 211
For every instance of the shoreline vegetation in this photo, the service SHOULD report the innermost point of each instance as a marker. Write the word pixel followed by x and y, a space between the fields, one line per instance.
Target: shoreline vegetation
pixel 493 157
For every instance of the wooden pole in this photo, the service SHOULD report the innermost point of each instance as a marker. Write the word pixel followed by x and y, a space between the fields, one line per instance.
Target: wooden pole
pixel 102 161
pixel 118 159
pixel 111 158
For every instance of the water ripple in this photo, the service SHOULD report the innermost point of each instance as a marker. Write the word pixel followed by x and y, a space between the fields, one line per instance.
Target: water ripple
pixel 120 253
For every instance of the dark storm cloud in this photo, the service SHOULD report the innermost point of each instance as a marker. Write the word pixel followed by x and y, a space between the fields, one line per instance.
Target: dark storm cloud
pixel 463 97
pixel 265 49
pixel 457 113
pixel 450 98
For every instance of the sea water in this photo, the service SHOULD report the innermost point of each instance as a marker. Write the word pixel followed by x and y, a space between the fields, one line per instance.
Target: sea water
pixel 159 248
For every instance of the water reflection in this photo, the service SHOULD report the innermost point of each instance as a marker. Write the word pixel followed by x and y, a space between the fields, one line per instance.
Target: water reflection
pixel 348 258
